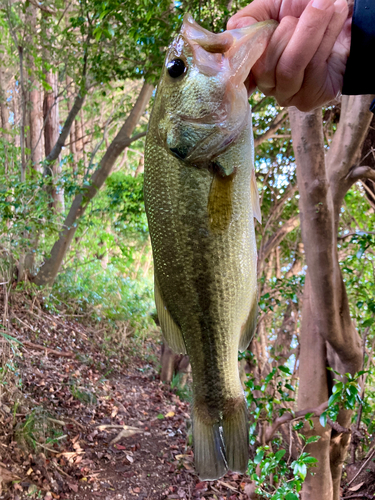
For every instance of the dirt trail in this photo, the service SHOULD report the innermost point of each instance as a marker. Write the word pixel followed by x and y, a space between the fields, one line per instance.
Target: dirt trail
pixel 78 392
pixel 92 420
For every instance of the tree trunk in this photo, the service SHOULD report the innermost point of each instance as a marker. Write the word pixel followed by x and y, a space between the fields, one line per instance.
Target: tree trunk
pixel 51 136
pixel 328 336
pixel 50 269
pixel 36 127
pixel 4 111
pixel 72 138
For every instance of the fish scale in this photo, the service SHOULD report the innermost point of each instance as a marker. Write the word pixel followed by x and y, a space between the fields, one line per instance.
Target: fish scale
pixel 200 213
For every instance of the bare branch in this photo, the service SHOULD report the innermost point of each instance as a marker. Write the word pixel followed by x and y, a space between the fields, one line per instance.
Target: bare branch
pixel 361 172
pixel 270 431
pixel 274 126
pixel 279 206
pixel 346 145
pixel 278 236
pixel 78 103
pixel 337 427
pixel 344 236
pixel 43 8
pixel 54 154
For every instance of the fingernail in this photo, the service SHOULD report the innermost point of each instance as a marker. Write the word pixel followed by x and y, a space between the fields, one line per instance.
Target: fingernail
pixel 322 4
pixel 340 6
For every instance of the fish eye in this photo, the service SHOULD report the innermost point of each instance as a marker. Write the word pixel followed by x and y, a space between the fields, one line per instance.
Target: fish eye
pixel 176 68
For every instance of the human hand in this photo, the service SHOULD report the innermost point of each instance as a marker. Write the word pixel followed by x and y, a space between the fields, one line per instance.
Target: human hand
pixel 305 61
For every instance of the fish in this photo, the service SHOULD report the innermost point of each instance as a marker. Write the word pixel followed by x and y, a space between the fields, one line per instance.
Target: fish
pixel 201 198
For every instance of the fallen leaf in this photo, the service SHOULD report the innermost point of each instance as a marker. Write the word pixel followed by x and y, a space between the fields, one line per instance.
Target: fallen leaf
pixel 249 489
pixel 73 486
pixel 200 486
pixel 170 414
pixel 119 447
pixel 357 487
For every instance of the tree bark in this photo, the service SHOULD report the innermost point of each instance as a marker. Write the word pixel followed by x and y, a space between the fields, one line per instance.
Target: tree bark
pixel 36 127
pixel 50 269
pixel 51 141
pixel 4 111
pixel 35 105
pixel 72 138
pixel 328 336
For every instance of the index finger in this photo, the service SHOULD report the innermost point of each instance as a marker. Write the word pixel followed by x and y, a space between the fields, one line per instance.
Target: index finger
pixel 258 10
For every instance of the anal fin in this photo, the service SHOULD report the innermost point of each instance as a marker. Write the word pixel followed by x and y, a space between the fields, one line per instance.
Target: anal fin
pixel 248 328
pixel 171 332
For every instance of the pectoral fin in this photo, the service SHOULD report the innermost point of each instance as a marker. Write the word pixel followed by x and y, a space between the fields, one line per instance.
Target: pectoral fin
pixel 171 332
pixel 255 197
pixel 248 328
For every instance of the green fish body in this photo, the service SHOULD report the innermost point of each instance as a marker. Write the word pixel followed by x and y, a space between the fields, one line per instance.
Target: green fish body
pixel 201 197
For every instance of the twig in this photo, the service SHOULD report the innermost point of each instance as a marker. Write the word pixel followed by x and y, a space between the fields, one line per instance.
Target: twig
pixel 42 348
pixel 287 417
pixel 124 427
pixel 21 321
pixel 228 486
pixel 125 433
pixel 77 423
pixel 369 457
pixel 59 422
pixel 358 495
pixel 48 449
pixel 60 470
pixel 61 437
pixel 48 350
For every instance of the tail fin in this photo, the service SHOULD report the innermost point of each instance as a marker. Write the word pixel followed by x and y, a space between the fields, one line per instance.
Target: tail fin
pixel 236 436
pixel 220 446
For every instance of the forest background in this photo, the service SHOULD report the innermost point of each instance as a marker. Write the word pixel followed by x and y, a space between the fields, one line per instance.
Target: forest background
pixel 77 83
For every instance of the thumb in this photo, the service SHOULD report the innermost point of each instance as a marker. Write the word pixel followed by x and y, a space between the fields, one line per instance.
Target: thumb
pixel 258 10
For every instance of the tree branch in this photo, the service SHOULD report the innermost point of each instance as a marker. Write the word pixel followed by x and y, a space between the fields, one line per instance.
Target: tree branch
pixel 361 172
pixel 278 236
pixel 268 433
pixel 273 127
pixel 78 103
pixel 43 8
pixel 346 145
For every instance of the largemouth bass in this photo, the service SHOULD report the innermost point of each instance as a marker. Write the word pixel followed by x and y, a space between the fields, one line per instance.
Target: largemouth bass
pixel 201 197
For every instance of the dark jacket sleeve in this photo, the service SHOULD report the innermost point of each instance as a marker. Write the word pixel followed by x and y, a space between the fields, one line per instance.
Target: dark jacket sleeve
pixel 359 77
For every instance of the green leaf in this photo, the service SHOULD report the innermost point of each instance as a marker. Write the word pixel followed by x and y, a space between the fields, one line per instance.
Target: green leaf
pixel 334 398
pixel 291 496
pixel 279 455
pixel 312 439
pixel 323 419
pixel 368 322
pixel 259 457
pixel 284 369
pixel 160 416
